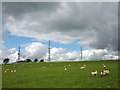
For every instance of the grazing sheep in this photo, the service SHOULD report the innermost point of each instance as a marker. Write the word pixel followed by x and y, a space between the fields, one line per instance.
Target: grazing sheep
pixel 107 72
pixel 102 74
pixel 11 70
pixel 82 67
pixel 69 65
pixel 44 67
pixel 14 70
pixel 5 71
pixel 65 69
pixel 104 66
pixel 94 73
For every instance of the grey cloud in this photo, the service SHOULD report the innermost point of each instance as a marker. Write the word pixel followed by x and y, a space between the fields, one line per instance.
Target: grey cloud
pixel 94 24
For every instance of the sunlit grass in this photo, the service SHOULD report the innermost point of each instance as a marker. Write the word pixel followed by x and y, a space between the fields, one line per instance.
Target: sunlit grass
pixel 34 75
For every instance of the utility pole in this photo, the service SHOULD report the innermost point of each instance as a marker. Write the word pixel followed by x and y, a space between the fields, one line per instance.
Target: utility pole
pixel 49 52
pixel 19 53
pixel 81 53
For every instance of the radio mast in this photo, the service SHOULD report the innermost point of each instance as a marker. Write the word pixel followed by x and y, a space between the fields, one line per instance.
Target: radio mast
pixel 49 52
pixel 19 53
pixel 81 53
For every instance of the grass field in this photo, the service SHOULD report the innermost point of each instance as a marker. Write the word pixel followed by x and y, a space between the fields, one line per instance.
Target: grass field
pixel 34 75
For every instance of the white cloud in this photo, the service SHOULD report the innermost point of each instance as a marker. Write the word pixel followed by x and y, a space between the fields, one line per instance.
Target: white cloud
pixel 61 54
pixel 39 51
pixel 35 50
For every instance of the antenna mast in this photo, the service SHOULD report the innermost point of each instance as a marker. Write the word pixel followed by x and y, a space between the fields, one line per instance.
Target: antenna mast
pixel 49 52
pixel 81 53
pixel 19 53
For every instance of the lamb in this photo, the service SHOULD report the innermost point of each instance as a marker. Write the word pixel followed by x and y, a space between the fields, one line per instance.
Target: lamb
pixel 94 73
pixel 102 74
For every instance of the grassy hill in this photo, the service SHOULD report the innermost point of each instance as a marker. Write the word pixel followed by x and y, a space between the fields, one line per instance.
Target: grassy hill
pixel 53 75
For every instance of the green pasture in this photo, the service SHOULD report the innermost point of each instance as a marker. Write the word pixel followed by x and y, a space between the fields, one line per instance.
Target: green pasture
pixel 54 75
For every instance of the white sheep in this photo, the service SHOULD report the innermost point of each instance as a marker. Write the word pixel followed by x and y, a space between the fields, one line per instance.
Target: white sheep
pixel 82 67
pixel 14 70
pixel 44 67
pixel 11 70
pixel 94 73
pixel 5 71
pixel 65 69
pixel 104 66
pixel 69 65
pixel 64 66
pixel 107 72
pixel 102 74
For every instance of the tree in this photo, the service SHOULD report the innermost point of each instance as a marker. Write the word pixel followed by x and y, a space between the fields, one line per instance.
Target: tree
pixel 36 60
pixel 28 60
pixel 41 60
pixel 6 60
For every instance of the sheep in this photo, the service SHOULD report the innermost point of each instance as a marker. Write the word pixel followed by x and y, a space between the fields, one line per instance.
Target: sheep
pixel 69 65
pixel 65 69
pixel 104 66
pixel 44 67
pixel 64 66
pixel 107 72
pixel 102 74
pixel 82 67
pixel 5 71
pixel 94 73
pixel 14 70
pixel 11 70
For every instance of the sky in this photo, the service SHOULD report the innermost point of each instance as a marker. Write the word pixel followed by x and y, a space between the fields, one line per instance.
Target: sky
pixel 69 25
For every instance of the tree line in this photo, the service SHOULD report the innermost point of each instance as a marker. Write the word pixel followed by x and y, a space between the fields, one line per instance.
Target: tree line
pixel 6 60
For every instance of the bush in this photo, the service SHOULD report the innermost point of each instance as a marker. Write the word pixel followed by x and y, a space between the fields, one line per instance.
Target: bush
pixel 42 60
pixel 36 60
pixel 6 60
pixel 28 60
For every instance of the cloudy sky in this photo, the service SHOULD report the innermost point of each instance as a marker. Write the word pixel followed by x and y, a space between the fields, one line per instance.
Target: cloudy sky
pixel 69 25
